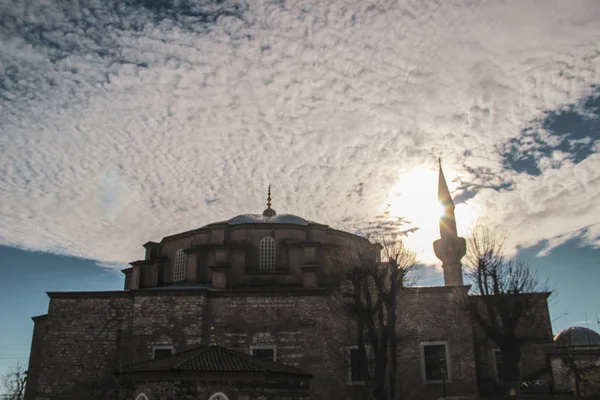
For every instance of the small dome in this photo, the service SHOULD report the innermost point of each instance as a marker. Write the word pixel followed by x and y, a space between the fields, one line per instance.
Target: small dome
pixel 577 336
pixel 269 212
pixel 263 219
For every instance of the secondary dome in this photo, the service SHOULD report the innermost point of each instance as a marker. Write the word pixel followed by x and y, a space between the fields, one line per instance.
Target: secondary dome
pixel 577 336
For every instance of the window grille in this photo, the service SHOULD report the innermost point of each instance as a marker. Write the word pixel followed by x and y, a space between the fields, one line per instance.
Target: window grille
pixel 267 254
pixel 160 352
pixel 179 266
pixel 355 365
pixel 501 372
pixel 436 365
pixel 264 352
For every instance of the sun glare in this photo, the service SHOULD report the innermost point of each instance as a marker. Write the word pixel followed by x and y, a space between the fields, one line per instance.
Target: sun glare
pixel 414 196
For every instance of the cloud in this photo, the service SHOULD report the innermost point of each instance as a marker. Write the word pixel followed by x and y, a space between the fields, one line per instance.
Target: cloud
pixel 123 122
pixel 585 322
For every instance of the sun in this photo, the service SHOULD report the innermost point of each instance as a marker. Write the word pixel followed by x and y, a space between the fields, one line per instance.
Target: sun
pixel 414 196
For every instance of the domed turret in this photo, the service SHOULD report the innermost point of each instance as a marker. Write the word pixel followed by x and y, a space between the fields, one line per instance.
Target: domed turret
pixel 577 336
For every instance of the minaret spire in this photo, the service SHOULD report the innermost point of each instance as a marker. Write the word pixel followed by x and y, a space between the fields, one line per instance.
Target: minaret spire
pixel 448 220
pixel 269 197
pixel 443 191
pixel 269 212
pixel 449 248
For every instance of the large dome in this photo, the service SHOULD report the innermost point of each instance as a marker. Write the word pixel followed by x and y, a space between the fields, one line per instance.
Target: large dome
pixel 577 336
pixel 269 216
pixel 263 219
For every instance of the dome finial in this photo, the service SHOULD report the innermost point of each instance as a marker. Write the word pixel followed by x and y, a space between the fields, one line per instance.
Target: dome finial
pixel 269 212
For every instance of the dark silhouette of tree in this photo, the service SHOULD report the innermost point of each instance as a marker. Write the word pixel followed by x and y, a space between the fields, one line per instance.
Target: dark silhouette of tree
pixel 370 297
pixel 504 294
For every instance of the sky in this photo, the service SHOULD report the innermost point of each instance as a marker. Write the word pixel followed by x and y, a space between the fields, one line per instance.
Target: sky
pixel 123 121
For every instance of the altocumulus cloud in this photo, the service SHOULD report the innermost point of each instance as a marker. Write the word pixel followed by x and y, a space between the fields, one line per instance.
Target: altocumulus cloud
pixel 125 121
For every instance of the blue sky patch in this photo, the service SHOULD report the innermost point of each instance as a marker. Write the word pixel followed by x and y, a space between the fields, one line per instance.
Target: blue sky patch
pixel 574 131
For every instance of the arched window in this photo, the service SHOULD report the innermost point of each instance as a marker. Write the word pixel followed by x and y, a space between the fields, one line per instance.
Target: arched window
pixel 141 396
pixel 179 265
pixel 267 254
pixel 218 396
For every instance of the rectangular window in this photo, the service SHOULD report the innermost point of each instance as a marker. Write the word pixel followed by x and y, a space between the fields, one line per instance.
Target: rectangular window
pixel 268 353
pixel 179 265
pixel 434 360
pixel 499 365
pixel 267 254
pixel 160 352
pixel 355 365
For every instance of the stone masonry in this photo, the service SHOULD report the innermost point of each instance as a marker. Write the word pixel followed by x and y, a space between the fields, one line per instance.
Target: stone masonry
pixel 88 336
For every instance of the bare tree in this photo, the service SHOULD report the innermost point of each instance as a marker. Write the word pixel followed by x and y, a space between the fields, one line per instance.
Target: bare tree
pixel 370 297
pixel 582 364
pixel 505 293
pixel 13 382
pixel 591 377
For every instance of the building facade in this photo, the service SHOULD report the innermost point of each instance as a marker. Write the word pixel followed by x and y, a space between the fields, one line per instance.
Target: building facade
pixel 246 309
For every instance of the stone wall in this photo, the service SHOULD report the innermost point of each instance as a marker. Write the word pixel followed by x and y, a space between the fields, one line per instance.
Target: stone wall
pixel 167 317
pixel 89 335
pixel 82 342
pixel 234 390
pixel 305 329
pixel 313 334
pixel 37 342
pixel 433 315
pixel 238 247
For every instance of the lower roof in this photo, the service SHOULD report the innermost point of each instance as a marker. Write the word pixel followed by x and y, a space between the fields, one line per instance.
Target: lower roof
pixel 280 290
pixel 214 359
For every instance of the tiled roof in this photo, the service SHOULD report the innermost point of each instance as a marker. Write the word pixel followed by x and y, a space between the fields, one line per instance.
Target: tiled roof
pixel 212 359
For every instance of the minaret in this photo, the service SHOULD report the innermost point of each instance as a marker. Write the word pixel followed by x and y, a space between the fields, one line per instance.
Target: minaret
pixel 449 248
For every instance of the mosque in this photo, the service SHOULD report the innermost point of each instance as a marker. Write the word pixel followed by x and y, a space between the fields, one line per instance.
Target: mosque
pixel 243 309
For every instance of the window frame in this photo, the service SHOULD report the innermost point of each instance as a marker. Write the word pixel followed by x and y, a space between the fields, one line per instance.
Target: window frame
pixel 162 347
pixel 179 265
pixel 216 395
pixel 273 347
pixel 267 248
pixel 370 357
pixel 495 361
pixel 448 362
